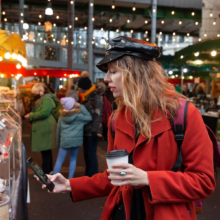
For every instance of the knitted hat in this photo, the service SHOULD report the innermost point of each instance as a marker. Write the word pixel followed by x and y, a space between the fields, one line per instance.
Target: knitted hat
pixel 84 83
pixel 67 102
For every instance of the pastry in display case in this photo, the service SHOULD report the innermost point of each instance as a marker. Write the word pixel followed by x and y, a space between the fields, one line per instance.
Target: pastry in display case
pixel 10 162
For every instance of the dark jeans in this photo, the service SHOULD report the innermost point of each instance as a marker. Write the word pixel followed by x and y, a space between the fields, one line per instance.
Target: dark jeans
pixel 47 165
pixel 90 144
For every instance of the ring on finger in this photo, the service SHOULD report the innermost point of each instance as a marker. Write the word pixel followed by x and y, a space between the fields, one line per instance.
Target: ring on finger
pixel 123 173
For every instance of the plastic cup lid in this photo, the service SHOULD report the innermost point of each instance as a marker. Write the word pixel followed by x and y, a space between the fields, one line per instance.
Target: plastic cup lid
pixel 116 153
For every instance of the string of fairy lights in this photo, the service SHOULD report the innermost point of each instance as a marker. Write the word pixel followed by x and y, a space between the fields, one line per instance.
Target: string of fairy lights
pixel 49 11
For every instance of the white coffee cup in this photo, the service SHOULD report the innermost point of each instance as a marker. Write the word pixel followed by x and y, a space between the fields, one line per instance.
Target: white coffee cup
pixel 114 157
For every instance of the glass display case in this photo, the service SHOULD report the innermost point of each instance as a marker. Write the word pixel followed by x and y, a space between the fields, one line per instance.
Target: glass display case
pixel 10 161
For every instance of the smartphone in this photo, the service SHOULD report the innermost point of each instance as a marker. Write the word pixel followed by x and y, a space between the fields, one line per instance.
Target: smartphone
pixel 40 173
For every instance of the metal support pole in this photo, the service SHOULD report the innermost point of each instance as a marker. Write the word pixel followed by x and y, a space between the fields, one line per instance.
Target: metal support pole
pixel 182 75
pixel 71 12
pixel 153 21
pixel 21 17
pixel 90 45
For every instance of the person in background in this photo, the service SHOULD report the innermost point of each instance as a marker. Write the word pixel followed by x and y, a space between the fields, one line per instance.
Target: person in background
pixel 185 91
pixel 43 131
pixel 50 87
pixel 72 119
pixel 91 97
pixel 213 106
pixel 147 187
pixel 72 93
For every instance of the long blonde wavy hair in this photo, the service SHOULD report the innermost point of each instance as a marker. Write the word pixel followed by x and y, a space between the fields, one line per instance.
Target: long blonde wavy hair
pixel 145 90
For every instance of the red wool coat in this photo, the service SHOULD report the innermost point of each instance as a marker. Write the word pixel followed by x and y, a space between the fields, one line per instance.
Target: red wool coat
pixel 172 193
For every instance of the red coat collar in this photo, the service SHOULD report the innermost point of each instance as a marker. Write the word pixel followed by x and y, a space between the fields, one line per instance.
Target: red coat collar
pixel 124 122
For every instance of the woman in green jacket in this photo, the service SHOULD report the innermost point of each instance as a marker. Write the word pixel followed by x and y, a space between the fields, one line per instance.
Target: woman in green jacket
pixel 43 136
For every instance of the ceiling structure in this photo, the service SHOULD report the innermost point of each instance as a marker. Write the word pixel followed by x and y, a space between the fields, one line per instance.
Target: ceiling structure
pixel 178 19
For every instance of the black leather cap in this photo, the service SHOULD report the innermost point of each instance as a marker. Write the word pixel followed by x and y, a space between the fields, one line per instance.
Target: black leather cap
pixel 126 46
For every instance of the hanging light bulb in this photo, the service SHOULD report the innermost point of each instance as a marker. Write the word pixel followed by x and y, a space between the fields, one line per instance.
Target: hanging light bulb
pixel 128 21
pixel 5 19
pixel 211 14
pixel 49 10
pixel 93 19
pixel 76 18
pixel 3 13
pixel 172 12
pixel 160 33
pixel 26 26
pixel 113 5
pixel 213 53
pixel 146 21
pixel 174 33
pixel 196 23
pixel 7 55
pixel 40 16
pixel 162 22
pixel 187 34
pixel 57 17
pixel 110 20
pixel 193 13
pixel 134 8
pixel 132 31
pixel 214 22
pixel 39 23
pixel 117 30
pixel 180 22
pixel 205 35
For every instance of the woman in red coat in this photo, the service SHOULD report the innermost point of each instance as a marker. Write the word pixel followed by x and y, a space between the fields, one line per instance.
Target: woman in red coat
pixel 146 103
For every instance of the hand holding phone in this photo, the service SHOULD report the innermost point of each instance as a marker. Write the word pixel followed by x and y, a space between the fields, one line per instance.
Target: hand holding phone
pixel 41 175
pixel 61 183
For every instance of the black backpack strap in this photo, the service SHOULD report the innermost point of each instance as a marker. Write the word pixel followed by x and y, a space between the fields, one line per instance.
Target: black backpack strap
pixel 112 125
pixel 178 126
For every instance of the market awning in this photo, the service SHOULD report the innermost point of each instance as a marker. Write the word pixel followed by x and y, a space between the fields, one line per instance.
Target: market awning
pixel 12 48
pixel 204 52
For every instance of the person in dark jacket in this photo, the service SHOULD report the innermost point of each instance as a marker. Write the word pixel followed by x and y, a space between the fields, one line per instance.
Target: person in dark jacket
pixel 70 132
pixel 91 97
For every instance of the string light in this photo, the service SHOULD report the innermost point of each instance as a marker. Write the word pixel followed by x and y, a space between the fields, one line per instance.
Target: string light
pixel 218 35
pixel 57 17
pixel 22 21
pixel 199 39
pixel 196 54
pixel 134 8
pixel 39 23
pixel 146 32
pixel 160 33
pixel 102 29
pixel 196 23
pixel 117 30
pixel 71 2
pixel 54 25
pixel 214 22
pixel 5 19
pixel 40 16
pixel 213 53
pixel 3 13
pixel 172 12
pixel 174 33
pixel 76 18
pixel 211 14
pixel 188 34
pixel 110 20
pixel 147 39
pixel 131 31
pixel 181 57
pixel 128 21
pixel 146 21
pixel 180 22
pixel 70 26
pixel 22 14
pixel 193 13
pixel 113 5
pixel 205 35
pixel 162 22
pixel 91 4
pixel 58 42
pixel 93 19
pixel 85 28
